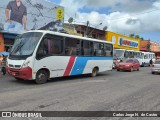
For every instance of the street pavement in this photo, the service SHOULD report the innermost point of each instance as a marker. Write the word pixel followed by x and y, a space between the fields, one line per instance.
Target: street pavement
pixel 109 91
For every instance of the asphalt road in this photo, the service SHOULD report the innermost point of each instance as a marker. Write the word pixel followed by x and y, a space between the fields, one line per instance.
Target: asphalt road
pixel 109 91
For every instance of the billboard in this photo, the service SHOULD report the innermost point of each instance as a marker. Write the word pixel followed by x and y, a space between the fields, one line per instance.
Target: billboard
pixel 18 16
pixel 123 42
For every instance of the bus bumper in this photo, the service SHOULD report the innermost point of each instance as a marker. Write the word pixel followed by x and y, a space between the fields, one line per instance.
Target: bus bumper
pixel 23 73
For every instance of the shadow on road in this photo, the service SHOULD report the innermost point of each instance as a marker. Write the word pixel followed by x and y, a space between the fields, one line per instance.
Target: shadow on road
pixel 62 79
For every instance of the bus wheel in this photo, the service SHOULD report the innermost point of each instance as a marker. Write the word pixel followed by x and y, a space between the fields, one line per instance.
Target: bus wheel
pixel 41 77
pixel 94 72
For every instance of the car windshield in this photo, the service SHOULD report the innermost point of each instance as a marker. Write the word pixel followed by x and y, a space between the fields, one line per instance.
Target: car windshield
pixel 25 43
pixel 129 61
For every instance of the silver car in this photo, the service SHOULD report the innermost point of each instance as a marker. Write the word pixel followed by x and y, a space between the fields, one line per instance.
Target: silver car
pixel 156 67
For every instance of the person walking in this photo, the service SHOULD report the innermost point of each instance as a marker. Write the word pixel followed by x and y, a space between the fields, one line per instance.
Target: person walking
pixel 3 64
pixel 151 62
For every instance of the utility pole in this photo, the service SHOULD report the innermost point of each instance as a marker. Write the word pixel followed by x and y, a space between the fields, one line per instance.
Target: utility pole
pixel 94 29
pixel 86 33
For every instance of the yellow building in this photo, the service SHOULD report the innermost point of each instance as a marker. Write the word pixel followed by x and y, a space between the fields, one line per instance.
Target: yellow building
pixel 122 41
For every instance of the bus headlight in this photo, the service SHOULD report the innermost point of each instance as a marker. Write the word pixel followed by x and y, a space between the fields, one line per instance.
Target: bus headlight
pixel 25 64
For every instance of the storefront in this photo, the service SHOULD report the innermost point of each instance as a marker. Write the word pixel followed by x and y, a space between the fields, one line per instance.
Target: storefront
pixel 1 42
pixel 122 41
pixel 6 41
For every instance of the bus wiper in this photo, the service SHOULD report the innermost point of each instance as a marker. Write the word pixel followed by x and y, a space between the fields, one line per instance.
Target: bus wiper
pixel 17 48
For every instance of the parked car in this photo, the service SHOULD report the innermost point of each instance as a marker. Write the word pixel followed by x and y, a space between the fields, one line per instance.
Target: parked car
pixel 156 67
pixel 129 65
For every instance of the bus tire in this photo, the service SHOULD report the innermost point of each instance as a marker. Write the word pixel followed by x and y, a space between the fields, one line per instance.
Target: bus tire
pixel 41 77
pixel 94 72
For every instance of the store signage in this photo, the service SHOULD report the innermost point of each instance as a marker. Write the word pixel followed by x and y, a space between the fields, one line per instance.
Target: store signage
pixel 129 43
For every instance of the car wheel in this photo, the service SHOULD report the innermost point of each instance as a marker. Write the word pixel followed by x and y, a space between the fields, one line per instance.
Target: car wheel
pixel 94 72
pixel 152 72
pixel 118 70
pixel 41 77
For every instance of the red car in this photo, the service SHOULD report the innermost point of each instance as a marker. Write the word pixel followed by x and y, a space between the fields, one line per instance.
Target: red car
pixel 129 65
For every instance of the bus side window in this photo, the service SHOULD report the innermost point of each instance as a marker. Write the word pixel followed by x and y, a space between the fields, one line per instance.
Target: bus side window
pixel 108 50
pixel 42 50
pixel 87 48
pixel 72 46
pixel 145 56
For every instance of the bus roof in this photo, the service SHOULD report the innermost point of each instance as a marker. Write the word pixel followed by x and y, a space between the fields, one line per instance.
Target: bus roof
pixel 68 35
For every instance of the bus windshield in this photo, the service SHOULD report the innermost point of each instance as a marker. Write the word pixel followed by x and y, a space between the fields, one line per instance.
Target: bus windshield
pixel 25 44
pixel 119 54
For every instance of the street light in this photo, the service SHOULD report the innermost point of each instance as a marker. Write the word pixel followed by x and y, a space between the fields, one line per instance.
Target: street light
pixel 94 29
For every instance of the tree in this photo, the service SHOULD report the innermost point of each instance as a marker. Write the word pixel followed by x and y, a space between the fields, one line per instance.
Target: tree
pixel 137 37
pixel 131 35
pixel 142 38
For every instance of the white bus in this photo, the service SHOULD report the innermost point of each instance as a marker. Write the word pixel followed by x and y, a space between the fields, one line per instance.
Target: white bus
pixel 142 57
pixel 147 56
pixel 119 54
pixel 40 55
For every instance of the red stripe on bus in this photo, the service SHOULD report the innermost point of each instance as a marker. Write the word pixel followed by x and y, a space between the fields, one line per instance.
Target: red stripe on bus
pixel 69 66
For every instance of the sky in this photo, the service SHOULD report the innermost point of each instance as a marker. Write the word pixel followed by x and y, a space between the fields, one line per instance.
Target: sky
pixel 139 17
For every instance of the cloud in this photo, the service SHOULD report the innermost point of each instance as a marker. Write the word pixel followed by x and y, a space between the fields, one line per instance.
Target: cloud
pixel 126 16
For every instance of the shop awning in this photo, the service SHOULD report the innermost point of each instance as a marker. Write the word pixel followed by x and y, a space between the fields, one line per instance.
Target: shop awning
pixel 4 53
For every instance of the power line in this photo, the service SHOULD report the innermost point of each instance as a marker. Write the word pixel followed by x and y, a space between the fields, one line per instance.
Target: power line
pixel 121 18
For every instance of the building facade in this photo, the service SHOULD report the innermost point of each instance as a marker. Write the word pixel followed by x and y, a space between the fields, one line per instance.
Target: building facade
pixel 123 42
pixel 145 45
pixel 1 42
pixel 6 41
pixel 70 29
pixel 154 47
pixel 91 32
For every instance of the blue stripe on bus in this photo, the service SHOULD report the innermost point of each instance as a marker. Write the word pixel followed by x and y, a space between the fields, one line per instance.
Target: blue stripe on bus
pixel 81 62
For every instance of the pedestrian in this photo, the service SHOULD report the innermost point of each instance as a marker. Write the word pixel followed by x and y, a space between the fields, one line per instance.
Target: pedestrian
pixel 1 58
pixel 151 62
pixel 3 64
